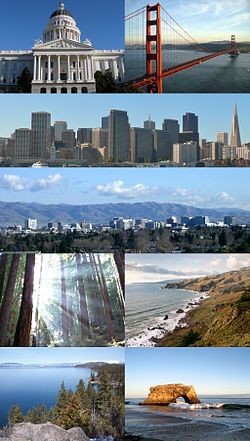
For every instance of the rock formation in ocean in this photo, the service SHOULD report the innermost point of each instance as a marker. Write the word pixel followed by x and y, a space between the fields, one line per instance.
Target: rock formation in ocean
pixel 168 393
pixel 42 432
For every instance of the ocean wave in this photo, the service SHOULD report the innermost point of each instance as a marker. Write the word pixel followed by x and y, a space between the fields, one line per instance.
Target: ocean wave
pixel 231 406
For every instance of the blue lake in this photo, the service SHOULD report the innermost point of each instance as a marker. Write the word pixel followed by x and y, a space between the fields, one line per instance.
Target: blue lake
pixel 26 386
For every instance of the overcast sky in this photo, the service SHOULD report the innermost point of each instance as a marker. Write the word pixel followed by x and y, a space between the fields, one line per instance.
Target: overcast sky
pixel 204 188
pixel 150 268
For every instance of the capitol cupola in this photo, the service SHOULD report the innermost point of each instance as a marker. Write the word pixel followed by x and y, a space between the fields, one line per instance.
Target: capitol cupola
pixel 61 25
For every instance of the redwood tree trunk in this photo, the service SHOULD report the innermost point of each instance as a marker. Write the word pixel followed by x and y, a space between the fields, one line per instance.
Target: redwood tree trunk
pixel 64 306
pixel 3 265
pixel 121 268
pixel 23 328
pixel 84 319
pixel 6 305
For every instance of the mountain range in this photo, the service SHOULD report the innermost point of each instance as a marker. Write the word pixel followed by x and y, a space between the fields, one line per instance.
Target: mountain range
pixel 16 212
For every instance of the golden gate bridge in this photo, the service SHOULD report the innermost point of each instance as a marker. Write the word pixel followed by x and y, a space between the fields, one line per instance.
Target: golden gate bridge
pixel 152 29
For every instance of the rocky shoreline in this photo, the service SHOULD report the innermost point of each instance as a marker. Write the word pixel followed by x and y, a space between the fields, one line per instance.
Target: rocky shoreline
pixel 167 325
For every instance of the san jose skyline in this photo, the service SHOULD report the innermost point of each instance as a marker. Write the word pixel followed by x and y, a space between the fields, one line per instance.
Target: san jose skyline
pixel 204 188
pixel 214 111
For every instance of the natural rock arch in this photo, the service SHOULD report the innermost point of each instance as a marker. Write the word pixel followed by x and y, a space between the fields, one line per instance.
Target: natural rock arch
pixel 168 393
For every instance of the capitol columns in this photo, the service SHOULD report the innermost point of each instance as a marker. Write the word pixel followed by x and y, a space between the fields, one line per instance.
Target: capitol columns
pixel 58 67
pixel 39 68
pixel 78 70
pixel 49 68
pixel 69 76
pixel 34 73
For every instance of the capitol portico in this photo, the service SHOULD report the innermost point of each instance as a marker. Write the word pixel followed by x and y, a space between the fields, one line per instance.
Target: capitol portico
pixel 60 63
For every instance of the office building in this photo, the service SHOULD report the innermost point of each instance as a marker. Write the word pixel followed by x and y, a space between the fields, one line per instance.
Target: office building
pixel 185 153
pixel 84 135
pixel 118 136
pixel 222 137
pixel 59 127
pixel 163 147
pixel 172 127
pixel 23 143
pixel 141 145
pixel 41 128
pixel 30 224
pixel 149 124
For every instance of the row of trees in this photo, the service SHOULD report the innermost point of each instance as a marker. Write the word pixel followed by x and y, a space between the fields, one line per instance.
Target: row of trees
pixel 98 411
pixel 73 300
pixel 217 239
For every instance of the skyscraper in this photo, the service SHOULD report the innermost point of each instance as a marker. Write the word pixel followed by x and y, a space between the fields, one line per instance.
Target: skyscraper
pixel 235 133
pixel 149 124
pixel 23 143
pixel 172 127
pixel 118 136
pixel 222 137
pixel 59 127
pixel 41 128
pixel 190 122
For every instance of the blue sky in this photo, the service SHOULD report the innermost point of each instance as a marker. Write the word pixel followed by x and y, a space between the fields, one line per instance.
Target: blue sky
pixel 209 370
pixel 210 187
pixel 22 22
pixel 151 268
pixel 215 111
pixel 59 355
pixel 205 20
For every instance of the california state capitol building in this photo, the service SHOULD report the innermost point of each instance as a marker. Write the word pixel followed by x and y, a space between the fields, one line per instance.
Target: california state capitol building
pixel 60 63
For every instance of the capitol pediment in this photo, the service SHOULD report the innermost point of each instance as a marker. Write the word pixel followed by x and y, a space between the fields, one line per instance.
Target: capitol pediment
pixel 62 44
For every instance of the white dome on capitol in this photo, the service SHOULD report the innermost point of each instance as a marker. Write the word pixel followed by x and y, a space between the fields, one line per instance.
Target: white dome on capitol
pixel 61 25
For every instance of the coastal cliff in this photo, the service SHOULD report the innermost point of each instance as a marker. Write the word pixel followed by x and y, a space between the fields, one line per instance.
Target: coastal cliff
pixel 222 319
pixel 168 393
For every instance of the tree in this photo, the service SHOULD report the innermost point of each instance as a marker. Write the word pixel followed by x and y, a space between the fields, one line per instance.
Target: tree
pixel 24 82
pixel 84 319
pixel 9 292
pixel 15 415
pixel 81 391
pixel 62 400
pixel 64 306
pixel 105 83
pixel 70 416
pixel 23 328
pixel 223 238
pixel 3 267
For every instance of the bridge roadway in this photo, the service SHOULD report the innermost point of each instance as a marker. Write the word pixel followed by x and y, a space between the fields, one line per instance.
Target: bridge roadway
pixel 147 80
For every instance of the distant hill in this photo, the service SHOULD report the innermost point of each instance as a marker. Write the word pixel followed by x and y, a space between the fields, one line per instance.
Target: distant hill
pixel 16 212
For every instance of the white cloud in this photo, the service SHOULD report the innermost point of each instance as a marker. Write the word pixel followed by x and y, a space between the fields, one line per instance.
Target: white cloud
pixel 118 189
pixel 235 261
pixel 17 183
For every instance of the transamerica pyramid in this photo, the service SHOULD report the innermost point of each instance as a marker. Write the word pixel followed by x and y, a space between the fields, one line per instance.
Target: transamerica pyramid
pixel 235 133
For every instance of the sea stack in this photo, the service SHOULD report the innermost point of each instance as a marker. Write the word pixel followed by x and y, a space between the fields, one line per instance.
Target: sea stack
pixel 168 393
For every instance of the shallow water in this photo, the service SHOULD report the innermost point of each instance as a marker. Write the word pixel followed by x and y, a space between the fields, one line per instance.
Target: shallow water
pixel 215 419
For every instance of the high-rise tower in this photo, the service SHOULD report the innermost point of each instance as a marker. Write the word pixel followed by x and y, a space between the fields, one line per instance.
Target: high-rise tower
pixel 235 133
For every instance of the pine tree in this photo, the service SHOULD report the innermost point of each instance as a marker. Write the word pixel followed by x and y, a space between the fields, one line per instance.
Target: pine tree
pixel 103 400
pixel 29 417
pixel 11 414
pixel 15 416
pixel 62 400
pixel 44 414
pixel 90 398
pixel 81 391
pixel 70 416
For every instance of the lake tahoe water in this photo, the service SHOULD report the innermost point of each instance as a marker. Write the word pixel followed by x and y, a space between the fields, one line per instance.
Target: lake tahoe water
pixel 26 386
pixel 146 307
pixel 215 419
pixel 222 74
